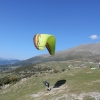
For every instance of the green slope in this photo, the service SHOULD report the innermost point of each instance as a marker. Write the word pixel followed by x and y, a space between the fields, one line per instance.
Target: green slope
pixel 78 81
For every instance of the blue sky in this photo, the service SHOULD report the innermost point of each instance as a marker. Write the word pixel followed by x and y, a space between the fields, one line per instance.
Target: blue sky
pixel 72 22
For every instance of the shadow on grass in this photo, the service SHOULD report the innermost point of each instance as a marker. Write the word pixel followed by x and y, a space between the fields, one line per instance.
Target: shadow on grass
pixel 59 83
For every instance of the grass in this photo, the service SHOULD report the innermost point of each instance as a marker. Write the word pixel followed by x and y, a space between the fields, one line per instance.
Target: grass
pixel 78 80
pixel 83 81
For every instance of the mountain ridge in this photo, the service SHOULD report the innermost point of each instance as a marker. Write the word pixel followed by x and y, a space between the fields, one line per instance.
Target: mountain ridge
pixel 90 52
pixel 83 52
pixel 5 61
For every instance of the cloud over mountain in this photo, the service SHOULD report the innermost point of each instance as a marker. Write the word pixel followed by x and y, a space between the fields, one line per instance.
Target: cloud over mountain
pixel 93 37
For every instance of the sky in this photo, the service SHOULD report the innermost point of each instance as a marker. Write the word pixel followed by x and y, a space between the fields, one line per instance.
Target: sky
pixel 72 22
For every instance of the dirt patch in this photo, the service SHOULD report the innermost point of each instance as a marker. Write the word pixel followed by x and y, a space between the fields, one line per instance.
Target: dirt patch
pixel 53 92
pixel 61 93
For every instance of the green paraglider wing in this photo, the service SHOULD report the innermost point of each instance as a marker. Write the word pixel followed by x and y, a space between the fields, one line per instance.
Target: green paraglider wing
pixel 45 40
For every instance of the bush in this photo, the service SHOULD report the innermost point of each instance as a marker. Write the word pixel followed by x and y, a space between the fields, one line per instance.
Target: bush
pixel 63 70
pixel 56 70
pixel 6 81
pixel 13 79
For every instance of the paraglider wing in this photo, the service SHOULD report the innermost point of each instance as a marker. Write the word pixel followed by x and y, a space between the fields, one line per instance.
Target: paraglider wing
pixel 94 68
pixel 45 40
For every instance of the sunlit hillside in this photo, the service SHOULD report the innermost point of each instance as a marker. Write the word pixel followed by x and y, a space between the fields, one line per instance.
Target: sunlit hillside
pixel 84 52
pixel 82 83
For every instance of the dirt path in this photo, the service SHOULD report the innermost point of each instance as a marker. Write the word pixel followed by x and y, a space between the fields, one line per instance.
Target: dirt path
pixel 61 93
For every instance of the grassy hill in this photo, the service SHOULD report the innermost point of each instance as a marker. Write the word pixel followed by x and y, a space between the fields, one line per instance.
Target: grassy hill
pixel 82 83
pixel 72 65
pixel 79 83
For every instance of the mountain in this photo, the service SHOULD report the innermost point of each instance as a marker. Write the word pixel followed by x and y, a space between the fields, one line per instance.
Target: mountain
pixel 84 52
pixel 7 61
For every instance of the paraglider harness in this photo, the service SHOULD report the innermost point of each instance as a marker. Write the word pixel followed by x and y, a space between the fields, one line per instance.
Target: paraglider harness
pixel 47 85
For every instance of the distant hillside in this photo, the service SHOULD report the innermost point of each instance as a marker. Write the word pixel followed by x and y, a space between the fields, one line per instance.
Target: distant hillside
pixel 7 61
pixel 85 52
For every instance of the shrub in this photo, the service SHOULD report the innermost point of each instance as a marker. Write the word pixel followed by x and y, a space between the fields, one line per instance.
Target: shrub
pixel 56 70
pixel 13 78
pixel 6 81
pixel 63 70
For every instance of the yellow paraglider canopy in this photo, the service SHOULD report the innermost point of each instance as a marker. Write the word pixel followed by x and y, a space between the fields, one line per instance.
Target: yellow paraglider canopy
pixel 45 40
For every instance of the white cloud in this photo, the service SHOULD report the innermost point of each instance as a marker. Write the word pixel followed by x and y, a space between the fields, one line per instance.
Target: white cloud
pixel 94 37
